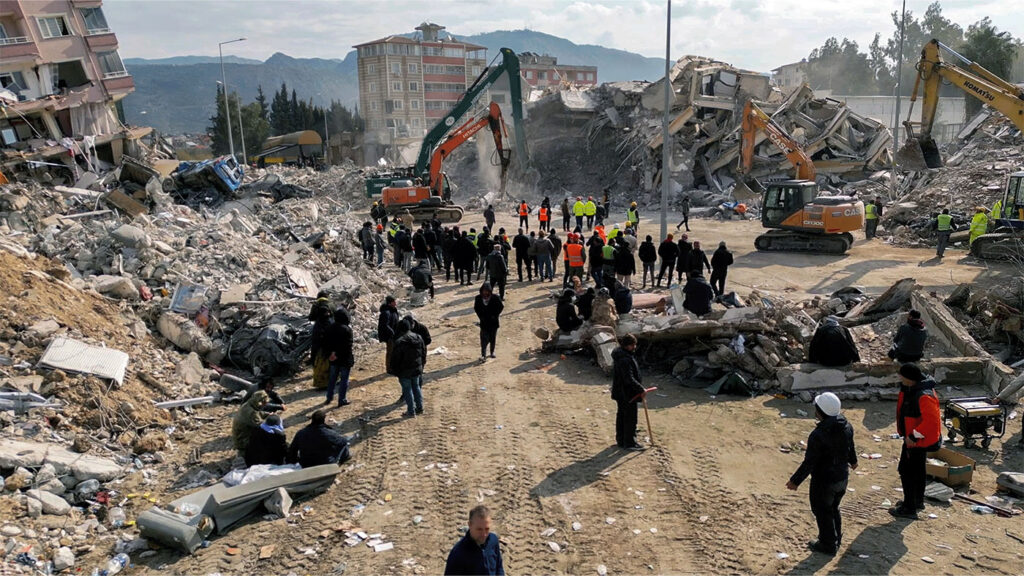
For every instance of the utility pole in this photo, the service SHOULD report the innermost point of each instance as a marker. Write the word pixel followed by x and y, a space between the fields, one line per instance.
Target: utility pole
pixel 224 82
pixel 899 80
pixel 241 130
pixel 666 153
pixel 327 141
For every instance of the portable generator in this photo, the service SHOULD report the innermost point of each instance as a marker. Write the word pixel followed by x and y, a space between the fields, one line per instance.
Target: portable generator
pixel 974 418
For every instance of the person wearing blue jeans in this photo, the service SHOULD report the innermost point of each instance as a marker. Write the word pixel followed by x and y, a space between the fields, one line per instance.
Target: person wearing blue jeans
pixel 408 356
pixel 339 343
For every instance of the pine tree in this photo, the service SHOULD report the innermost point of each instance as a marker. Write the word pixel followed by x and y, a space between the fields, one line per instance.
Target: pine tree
pixel 261 99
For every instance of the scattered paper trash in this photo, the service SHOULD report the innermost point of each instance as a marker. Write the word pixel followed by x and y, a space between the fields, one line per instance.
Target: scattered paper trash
pixel 547 532
pixel 602 570
pixel 927 559
pixel 782 555
pixel 384 547
pixel 609 520
pixel 654 530
pixel 554 546
pixel 577 526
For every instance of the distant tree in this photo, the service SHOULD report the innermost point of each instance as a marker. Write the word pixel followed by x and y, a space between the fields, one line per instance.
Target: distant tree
pixel 218 128
pixel 992 49
pixel 280 112
pixel 295 121
pixel 841 68
pixel 918 32
pixel 257 128
pixel 261 99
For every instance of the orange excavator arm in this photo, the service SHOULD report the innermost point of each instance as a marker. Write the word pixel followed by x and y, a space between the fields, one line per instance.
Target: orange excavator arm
pixel 755 119
pixel 494 121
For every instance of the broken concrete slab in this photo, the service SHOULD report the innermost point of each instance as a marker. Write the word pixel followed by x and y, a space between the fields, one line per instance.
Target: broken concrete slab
pixel 116 287
pixel 43 329
pixel 190 370
pixel 235 294
pixel 183 333
pixel 302 281
pixel 889 301
pixel 16 453
pixel 74 356
pixel 52 504
pixel 604 344
pixel 131 236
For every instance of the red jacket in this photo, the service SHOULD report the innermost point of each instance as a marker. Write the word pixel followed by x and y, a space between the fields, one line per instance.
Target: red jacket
pixel 917 414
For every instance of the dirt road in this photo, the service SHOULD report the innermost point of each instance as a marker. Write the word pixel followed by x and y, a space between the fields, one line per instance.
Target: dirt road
pixel 531 435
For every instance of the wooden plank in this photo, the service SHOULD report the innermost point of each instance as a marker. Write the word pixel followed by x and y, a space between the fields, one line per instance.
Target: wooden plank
pixel 76 192
pixel 130 205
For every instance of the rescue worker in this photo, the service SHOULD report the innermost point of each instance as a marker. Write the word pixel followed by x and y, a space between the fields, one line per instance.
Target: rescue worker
pixel 578 210
pixel 393 229
pixel 478 553
pixel 524 215
pixel 577 258
pixel 997 210
pixel 979 224
pixel 615 232
pixel 872 212
pixel 608 261
pixel 566 214
pixel 648 256
pixel 565 313
pixel 590 210
pixel 944 226
pixel 830 456
pixel 668 252
pixel 685 209
pixel 544 217
pixel 720 262
pixel 908 345
pixel 920 425
pixel 832 344
pixel 627 389
pixel 633 216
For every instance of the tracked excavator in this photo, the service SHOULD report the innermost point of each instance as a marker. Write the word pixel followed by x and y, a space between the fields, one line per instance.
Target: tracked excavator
pixel 921 151
pixel 400 193
pixel 427 200
pixel 799 220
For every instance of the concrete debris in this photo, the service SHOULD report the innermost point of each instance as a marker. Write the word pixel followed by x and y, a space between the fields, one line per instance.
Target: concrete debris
pixel 16 453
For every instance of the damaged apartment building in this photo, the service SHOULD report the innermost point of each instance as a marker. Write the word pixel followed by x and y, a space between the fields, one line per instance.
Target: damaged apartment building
pixel 62 83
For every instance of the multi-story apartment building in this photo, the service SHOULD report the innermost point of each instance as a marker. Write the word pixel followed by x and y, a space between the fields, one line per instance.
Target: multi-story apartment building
pixel 541 71
pixel 62 77
pixel 407 84
pixel 789 77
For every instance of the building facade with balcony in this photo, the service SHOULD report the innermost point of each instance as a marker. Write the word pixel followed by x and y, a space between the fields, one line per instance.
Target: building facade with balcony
pixel 542 71
pixel 789 77
pixel 407 84
pixel 61 78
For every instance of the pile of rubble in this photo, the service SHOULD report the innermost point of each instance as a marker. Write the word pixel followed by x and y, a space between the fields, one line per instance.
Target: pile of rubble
pixel 619 125
pixel 977 164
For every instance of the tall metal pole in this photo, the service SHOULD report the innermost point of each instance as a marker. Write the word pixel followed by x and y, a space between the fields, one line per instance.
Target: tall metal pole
pixel 899 80
pixel 327 141
pixel 224 82
pixel 241 130
pixel 666 152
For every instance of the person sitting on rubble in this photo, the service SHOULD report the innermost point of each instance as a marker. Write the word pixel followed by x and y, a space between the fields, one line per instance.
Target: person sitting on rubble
pixel 248 418
pixel 318 444
pixel 585 303
pixel 623 298
pixel 267 443
pixel 604 310
pixel 421 277
pixel 908 346
pixel 565 313
pixel 699 294
pixel 274 402
pixel 832 344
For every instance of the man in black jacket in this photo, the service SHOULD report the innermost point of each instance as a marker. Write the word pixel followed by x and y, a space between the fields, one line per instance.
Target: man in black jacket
pixel 521 244
pixel 565 313
pixel 830 456
pixel 421 277
pixel 832 345
pixel 683 260
pixel 720 262
pixel 318 444
pixel 627 388
pixel 497 269
pixel 387 322
pixel 648 256
pixel 698 261
pixel 464 257
pixel 488 307
pixel 908 345
pixel 267 443
pixel 585 303
pixel 668 252
pixel 595 253
pixel 342 359
pixel 407 363
pixel 698 295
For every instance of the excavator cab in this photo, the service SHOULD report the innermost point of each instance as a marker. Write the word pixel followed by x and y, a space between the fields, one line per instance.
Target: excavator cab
pixel 783 199
pixel 801 221
pixel 1013 203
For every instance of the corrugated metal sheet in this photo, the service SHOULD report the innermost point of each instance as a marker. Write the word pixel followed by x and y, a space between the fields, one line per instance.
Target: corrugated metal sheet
pixel 75 356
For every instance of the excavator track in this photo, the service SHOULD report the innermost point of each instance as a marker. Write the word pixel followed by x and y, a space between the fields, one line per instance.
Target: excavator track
pixel 447 213
pixel 792 241
pixel 999 246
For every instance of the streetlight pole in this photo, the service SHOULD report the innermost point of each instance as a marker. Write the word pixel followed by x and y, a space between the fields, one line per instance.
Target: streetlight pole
pixel 666 152
pixel 899 81
pixel 241 131
pixel 224 82
pixel 327 141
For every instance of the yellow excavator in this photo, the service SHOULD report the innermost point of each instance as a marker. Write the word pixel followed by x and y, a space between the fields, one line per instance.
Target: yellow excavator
pixel 921 151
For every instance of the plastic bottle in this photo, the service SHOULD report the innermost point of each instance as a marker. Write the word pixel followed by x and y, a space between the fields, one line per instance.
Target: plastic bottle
pixel 116 564
pixel 116 516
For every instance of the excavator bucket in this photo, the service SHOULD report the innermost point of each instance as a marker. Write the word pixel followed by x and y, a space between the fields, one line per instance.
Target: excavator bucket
pixel 910 157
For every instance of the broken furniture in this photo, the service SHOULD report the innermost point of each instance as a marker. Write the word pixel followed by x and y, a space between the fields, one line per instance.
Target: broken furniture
pixel 221 506
pixel 973 418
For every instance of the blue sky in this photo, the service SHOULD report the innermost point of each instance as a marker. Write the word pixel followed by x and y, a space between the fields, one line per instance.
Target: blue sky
pixel 753 34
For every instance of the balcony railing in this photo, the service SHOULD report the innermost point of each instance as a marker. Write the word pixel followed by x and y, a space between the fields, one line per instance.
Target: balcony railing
pixel 117 74
pixel 14 40
pixel 97 31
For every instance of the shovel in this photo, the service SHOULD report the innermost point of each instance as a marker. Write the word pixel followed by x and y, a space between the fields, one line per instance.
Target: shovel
pixel 643 397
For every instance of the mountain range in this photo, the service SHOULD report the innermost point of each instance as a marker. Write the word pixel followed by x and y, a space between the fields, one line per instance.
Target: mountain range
pixel 176 95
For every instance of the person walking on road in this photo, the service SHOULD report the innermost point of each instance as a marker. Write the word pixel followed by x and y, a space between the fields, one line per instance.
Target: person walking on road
pixel 578 210
pixel 497 269
pixel 830 456
pixel 342 359
pixel 633 216
pixel 478 553
pixel 524 215
pixel 489 216
pixel 720 262
pixel 919 423
pixel 685 209
pixel 944 227
pixel 407 361
pixel 668 252
pixel 627 388
pixel 488 307
pixel 590 210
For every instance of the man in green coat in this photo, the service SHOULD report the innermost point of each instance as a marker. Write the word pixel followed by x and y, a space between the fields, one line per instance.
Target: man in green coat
pixel 248 418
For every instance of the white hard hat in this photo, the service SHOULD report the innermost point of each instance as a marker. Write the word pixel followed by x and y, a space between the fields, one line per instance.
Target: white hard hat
pixel 828 403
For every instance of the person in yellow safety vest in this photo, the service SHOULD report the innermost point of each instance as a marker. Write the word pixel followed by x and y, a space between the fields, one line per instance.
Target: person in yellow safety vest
pixel 633 216
pixel 979 224
pixel 944 226
pixel 524 215
pixel 578 210
pixel 615 232
pixel 872 211
pixel 392 230
pixel 997 210
pixel 590 210
pixel 472 236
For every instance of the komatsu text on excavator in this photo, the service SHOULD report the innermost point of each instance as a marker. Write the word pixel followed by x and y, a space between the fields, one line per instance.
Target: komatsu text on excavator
pixel 800 220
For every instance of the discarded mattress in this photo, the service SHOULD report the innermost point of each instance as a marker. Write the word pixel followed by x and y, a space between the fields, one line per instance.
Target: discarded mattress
pixel 74 356
pixel 221 506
